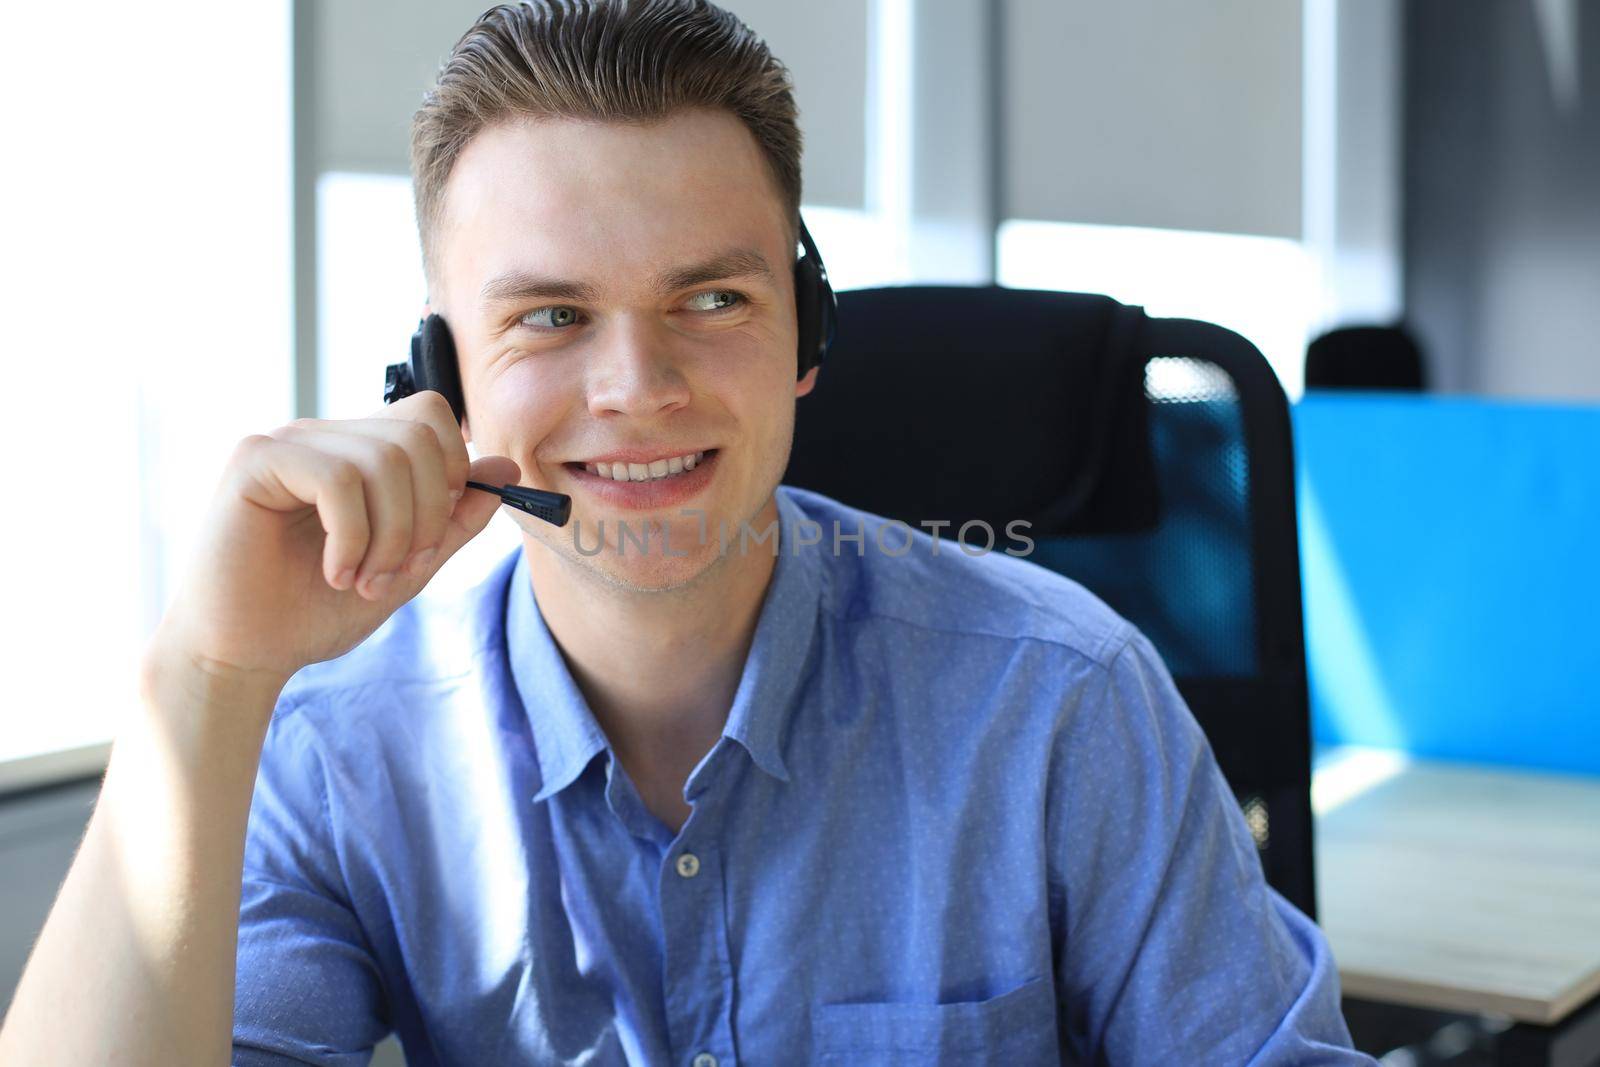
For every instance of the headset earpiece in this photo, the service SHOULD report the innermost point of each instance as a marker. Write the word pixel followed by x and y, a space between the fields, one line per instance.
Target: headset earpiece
pixel 433 365
pixel 816 307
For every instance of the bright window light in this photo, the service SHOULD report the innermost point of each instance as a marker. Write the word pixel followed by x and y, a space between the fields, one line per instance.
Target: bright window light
pixel 888 159
pixel 370 287
pixel 147 262
pixel 862 249
pixel 1264 288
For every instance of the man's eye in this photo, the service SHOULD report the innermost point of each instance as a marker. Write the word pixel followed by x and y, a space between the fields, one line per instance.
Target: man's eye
pixel 552 317
pixel 715 300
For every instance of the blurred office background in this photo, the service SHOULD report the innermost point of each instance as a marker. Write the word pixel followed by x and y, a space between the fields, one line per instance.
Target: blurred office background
pixel 209 232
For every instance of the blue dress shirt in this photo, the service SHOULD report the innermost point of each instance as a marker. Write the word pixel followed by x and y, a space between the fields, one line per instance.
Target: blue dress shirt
pixel 958 814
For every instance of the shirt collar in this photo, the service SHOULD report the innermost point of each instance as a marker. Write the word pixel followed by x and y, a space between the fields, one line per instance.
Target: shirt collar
pixel 567 736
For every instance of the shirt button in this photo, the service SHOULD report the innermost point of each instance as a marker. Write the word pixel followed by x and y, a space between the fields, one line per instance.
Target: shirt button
pixel 688 867
pixel 705 1059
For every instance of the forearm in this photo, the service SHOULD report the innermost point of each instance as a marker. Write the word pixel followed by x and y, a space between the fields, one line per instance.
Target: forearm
pixel 135 964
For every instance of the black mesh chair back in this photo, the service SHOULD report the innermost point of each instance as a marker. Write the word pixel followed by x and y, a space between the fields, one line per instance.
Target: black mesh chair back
pixel 1153 458
pixel 1366 357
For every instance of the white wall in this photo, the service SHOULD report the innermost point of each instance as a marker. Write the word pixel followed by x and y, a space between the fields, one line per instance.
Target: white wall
pixel 1157 113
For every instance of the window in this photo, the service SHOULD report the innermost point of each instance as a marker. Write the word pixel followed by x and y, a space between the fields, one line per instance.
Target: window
pixel 148 280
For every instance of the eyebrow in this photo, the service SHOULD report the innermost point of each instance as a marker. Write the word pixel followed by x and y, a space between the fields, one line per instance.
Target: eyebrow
pixel 518 285
pixel 736 263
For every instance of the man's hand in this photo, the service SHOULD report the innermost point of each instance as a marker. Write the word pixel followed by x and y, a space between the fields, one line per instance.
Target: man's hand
pixel 319 531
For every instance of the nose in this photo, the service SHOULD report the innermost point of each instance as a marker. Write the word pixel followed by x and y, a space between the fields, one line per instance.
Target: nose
pixel 633 372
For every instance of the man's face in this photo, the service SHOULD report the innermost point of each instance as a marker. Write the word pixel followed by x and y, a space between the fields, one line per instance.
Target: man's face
pixel 626 289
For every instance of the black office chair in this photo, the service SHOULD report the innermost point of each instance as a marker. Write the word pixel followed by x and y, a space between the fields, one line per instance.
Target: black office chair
pixel 1154 459
pixel 1366 357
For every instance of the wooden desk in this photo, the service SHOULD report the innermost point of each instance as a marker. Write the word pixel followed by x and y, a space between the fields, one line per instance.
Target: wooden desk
pixel 1459 888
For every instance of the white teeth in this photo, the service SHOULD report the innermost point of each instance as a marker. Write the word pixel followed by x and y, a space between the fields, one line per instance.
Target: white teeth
pixel 645 472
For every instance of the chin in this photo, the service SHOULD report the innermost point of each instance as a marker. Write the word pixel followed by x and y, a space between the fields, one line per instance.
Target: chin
pixel 653 573
pixel 624 563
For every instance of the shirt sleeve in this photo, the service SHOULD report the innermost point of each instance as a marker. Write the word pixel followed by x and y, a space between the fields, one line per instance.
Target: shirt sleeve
pixel 307 988
pixel 1172 948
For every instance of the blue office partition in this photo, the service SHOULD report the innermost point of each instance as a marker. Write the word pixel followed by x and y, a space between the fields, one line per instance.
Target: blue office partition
pixel 1450 549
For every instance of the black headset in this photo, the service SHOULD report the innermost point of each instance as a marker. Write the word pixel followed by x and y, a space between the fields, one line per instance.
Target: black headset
pixel 433 363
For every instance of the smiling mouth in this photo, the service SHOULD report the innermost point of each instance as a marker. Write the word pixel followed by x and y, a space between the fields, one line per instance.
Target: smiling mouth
pixel 659 470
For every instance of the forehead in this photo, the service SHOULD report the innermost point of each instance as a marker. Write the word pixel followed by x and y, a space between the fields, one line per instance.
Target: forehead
pixel 606 203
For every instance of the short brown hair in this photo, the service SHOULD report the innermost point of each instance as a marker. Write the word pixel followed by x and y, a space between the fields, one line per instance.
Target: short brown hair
pixel 608 60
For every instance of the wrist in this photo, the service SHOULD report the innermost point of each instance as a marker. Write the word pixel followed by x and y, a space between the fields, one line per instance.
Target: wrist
pixel 197 730
pixel 173 675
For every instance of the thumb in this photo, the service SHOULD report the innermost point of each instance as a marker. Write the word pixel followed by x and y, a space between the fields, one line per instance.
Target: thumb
pixel 476 507
pixel 495 470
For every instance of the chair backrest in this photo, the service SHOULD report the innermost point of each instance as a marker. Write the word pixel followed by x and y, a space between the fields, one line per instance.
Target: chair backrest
pixel 1366 357
pixel 1153 458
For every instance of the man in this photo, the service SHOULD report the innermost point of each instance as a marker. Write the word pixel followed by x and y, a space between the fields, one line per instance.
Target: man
pixel 720 799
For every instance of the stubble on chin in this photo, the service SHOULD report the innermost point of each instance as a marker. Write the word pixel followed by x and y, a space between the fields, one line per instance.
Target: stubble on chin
pixel 627 573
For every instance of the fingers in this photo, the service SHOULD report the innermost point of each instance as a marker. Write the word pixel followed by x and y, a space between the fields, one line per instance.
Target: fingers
pixel 424 430
pixel 390 489
pixel 282 475
pixel 388 485
pixel 424 425
pixel 476 508
pixel 430 409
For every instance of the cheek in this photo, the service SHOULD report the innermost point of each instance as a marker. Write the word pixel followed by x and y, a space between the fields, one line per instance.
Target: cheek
pixel 521 406
pixel 755 364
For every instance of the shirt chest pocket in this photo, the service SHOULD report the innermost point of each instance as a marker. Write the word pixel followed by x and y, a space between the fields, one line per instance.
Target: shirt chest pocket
pixel 1012 1028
